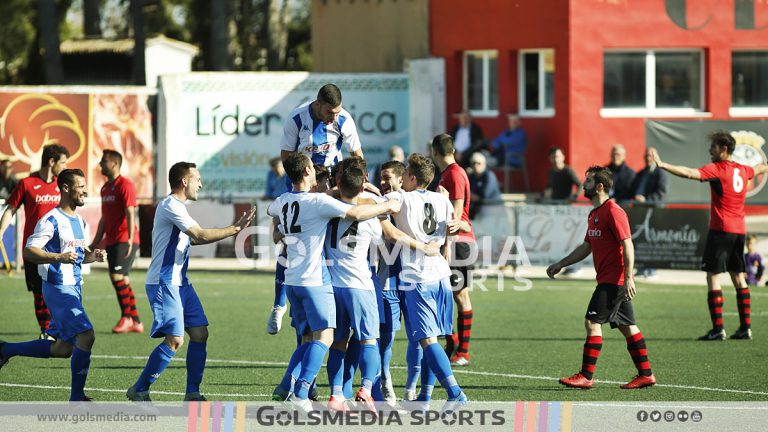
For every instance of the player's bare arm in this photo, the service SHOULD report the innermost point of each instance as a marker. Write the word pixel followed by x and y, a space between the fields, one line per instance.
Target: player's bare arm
pixel 458 224
pixel 130 218
pixel 629 265
pixel 363 212
pixel 678 170
pixel 277 236
pixel 6 219
pixel 201 236
pixel 38 256
pixel 760 169
pixel 394 235
pixel 99 234
pixel 581 252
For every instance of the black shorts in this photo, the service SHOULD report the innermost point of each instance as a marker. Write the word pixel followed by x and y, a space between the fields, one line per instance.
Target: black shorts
pixel 117 261
pixel 32 277
pixel 723 252
pixel 460 274
pixel 609 306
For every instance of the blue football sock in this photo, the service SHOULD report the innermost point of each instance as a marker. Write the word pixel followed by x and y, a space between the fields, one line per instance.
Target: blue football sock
pixel 370 363
pixel 279 286
pixel 428 379
pixel 310 366
pixel 39 348
pixel 294 368
pixel 159 360
pixel 196 355
pixel 351 361
pixel 335 371
pixel 413 358
pixel 79 364
pixel 438 361
pixel 385 350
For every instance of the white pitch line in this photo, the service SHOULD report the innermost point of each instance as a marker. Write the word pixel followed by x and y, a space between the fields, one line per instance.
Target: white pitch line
pixel 46 387
pixel 459 371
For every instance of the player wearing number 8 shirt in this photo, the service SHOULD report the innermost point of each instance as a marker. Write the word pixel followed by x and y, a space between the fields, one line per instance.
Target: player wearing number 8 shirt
pixel 303 219
pixel 724 250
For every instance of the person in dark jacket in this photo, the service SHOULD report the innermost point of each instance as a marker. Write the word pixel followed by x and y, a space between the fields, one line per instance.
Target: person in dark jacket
pixel 650 184
pixel 623 175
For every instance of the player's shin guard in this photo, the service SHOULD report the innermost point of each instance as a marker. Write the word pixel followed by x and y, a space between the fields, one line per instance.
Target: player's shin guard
pixel 310 366
pixel 428 379
pixel 441 365
pixel 351 361
pixel 591 352
pixel 413 357
pixel 196 355
pixel 79 364
pixel 636 348
pixel 745 307
pixel 464 322
pixel 335 369
pixel 42 313
pixel 159 360
pixel 370 363
pixel 38 348
pixel 715 302
pixel 124 293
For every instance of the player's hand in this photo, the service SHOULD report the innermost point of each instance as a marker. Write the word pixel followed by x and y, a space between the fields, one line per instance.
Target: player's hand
pixel 629 287
pixel 444 191
pixel 371 188
pixel 130 249
pixel 69 257
pixel 431 249
pixel 655 155
pixel 553 270
pixel 454 226
pixel 101 254
pixel 394 206
pixel 246 219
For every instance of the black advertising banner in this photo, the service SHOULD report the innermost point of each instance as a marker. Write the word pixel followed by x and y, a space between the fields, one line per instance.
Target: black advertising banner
pixel 668 238
pixel 685 143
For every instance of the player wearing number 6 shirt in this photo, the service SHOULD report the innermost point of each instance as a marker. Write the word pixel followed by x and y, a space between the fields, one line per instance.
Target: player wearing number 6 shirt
pixel 304 217
pixel 425 280
pixel 724 250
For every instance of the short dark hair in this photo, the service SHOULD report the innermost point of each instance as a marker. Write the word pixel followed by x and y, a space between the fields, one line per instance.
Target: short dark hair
pixel 751 237
pixel 443 144
pixel 554 150
pixel 356 162
pixel 321 172
pixel 274 161
pixel 602 175
pixel 329 94
pixel 178 172
pixel 422 168
pixel 67 177
pixel 113 156
pixel 397 167
pixel 294 165
pixel 53 151
pixel 351 182
pixel 723 139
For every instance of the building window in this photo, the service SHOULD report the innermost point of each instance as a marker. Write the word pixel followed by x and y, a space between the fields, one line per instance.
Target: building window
pixel 653 82
pixel 749 87
pixel 537 82
pixel 481 89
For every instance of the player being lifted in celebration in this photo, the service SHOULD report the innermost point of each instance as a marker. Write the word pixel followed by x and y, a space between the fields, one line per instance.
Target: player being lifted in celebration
pixel 303 218
pixel 724 250
pixel 425 280
pixel 175 304
pixel 318 129
pixel 121 237
pixel 609 239
pixel 57 248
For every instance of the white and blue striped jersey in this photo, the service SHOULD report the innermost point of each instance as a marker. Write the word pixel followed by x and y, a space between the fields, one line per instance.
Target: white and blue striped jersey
pixel 348 248
pixel 57 232
pixel 170 246
pixel 321 142
pixel 424 216
pixel 304 218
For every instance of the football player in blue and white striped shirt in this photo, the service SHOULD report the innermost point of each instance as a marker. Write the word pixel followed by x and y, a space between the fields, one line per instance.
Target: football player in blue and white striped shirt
pixel 59 246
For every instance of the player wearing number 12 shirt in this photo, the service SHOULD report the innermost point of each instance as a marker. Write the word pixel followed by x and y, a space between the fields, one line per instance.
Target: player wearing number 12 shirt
pixel 724 250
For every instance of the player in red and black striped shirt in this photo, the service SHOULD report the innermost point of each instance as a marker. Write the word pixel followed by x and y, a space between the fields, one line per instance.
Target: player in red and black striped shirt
pixel 724 250
pixel 609 239
pixel 38 194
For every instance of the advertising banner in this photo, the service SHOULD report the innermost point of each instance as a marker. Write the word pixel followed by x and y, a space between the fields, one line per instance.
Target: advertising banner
pixel 668 238
pixel 551 232
pixel 231 124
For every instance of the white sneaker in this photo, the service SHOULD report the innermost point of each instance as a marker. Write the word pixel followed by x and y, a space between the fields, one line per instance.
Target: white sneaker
pixel 410 395
pixel 303 405
pixel 388 391
pixel 275 320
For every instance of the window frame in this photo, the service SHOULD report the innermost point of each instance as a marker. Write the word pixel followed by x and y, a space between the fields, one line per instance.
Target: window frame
pixel 486 111
pixel 650 109
pixel 747 111
pixel 541 112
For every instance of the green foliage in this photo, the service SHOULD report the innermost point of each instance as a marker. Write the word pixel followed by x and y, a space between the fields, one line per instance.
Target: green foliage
pixel 17 37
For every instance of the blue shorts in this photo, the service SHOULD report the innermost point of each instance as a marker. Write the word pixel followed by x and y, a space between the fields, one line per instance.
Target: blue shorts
pixel 390 319
pixel 312 308
pixel 175 308
pixel 429 308
pixel 356 308
pixel 68 317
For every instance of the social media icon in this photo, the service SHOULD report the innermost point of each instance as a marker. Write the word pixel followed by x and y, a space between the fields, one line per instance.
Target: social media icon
pixel 696 416
pixel 642 416
pixel 669 416
pixel 682 416
pixel 655 416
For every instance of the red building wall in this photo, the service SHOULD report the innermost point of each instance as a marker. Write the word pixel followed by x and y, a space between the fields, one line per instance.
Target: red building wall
pixel 579 31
